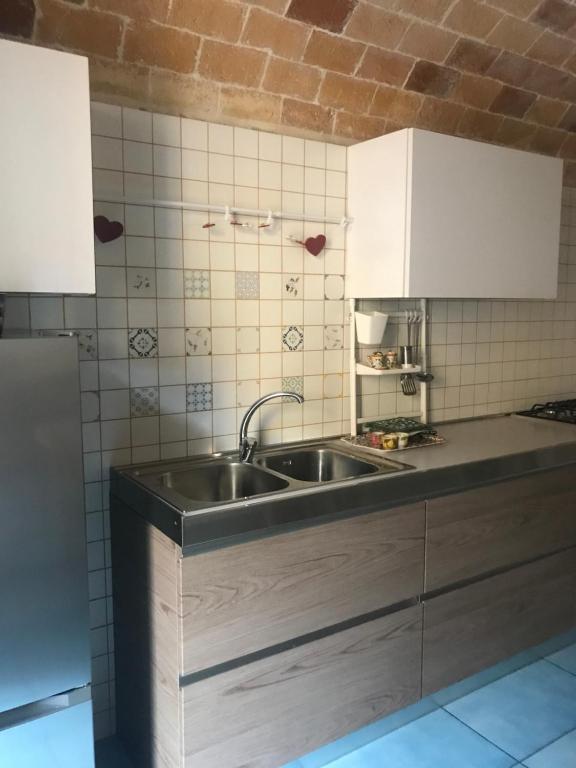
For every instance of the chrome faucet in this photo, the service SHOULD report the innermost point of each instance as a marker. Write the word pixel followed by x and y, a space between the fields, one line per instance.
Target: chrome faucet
pixel 246 448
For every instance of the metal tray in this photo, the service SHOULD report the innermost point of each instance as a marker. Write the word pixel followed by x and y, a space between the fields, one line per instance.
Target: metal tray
pixel 361 442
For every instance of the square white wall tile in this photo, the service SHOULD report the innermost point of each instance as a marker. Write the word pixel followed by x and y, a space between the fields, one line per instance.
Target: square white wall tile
pixel 137 125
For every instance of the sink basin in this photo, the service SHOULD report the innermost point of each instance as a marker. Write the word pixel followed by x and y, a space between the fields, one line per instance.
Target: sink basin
pixel 318 465
pixel 221 482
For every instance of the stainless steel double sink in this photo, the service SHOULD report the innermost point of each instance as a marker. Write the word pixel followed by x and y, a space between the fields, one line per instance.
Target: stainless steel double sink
pixel 224 479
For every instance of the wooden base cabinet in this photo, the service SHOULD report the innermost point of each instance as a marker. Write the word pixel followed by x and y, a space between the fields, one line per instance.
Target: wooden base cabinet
pixel 250 596
pixel 485 529
pixel 469 629
pixel 254 654
pixel 265 714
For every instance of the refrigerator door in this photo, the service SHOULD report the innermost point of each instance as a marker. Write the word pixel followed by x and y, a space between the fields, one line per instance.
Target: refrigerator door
pixel 59 737
pixel 44 626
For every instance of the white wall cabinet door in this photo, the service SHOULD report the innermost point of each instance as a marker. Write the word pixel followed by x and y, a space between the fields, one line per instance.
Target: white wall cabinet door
pixel 46 215
pixel 441 217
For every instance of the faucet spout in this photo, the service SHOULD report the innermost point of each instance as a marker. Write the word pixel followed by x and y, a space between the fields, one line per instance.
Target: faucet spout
pixel 245 448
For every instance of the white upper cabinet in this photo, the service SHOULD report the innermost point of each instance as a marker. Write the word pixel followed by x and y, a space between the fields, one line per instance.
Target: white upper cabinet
pixel 437 216
pixel 46 215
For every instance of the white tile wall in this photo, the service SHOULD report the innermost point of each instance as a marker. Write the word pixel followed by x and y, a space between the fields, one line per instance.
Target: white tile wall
pixel 190 325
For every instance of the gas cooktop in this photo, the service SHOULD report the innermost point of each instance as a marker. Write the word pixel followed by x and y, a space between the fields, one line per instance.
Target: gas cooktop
pixel 557 410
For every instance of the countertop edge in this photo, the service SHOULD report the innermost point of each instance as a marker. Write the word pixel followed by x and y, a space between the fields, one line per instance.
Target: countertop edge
pixel 259 518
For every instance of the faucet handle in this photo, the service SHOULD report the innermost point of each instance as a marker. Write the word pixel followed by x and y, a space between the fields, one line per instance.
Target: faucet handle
pixel 251 448
pixel 246 450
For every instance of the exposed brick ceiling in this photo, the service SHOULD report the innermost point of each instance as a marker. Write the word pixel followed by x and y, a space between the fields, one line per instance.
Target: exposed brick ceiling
pixel 502 71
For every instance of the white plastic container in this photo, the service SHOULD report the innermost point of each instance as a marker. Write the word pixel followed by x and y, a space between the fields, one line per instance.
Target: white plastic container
pixel 370 327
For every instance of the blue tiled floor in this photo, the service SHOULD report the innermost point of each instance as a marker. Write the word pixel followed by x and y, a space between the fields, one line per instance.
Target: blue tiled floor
pixel 559 754
pixel 566 659
pixel 519 714
pixel 524 711
pixel 434 740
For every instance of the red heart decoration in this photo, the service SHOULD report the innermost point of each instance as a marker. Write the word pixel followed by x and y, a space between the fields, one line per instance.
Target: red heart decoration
pixel 107 230
pixel 315 245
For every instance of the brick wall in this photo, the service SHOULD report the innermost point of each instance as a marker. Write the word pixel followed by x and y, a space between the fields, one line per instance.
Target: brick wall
pixel 502 71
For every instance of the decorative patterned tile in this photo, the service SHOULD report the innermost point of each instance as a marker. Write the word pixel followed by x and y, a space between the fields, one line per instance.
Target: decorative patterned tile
pixel 88 344
pixel 333 337
pixel 196 284
pixel 247 285
pixel 293 384
pixel 334 287
pixel 248 340
pixel 198 341
pixel 199 397
pixel 141 283
pixel 143 342
pixel 292 286
pixel 144 401
pixel 292 338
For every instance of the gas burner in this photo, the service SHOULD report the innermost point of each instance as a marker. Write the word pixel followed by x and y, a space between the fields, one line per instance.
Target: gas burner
pixel 557 410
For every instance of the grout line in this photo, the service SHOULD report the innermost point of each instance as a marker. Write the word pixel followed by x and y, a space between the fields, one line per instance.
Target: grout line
pixel 538 660
pixel 485 685
pixel 484 738
pixel 559 738
pixel 553 663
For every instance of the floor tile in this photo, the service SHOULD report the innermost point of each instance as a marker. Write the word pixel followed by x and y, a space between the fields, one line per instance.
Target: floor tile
pixel 560 754
pixel 485 677
pixel 565 659
pixel 523 712
pixel 434 740
pixel 361 737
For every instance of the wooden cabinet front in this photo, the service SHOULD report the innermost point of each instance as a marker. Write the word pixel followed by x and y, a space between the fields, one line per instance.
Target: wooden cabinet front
pixel 309 605
pixel 488 528
pixel 265 714
pixel 472 628
pixel 251 596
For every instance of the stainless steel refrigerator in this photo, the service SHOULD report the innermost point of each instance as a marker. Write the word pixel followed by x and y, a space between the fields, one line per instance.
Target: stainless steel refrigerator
pixel 45 703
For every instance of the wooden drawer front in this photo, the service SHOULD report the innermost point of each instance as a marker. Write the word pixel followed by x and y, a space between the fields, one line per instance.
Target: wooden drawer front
pixel 476 626
pixel 254 595
pixel 269 712
pixel 488 528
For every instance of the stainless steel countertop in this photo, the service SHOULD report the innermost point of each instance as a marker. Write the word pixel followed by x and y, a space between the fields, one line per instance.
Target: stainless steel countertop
pixel 477 452
pixel 488 438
